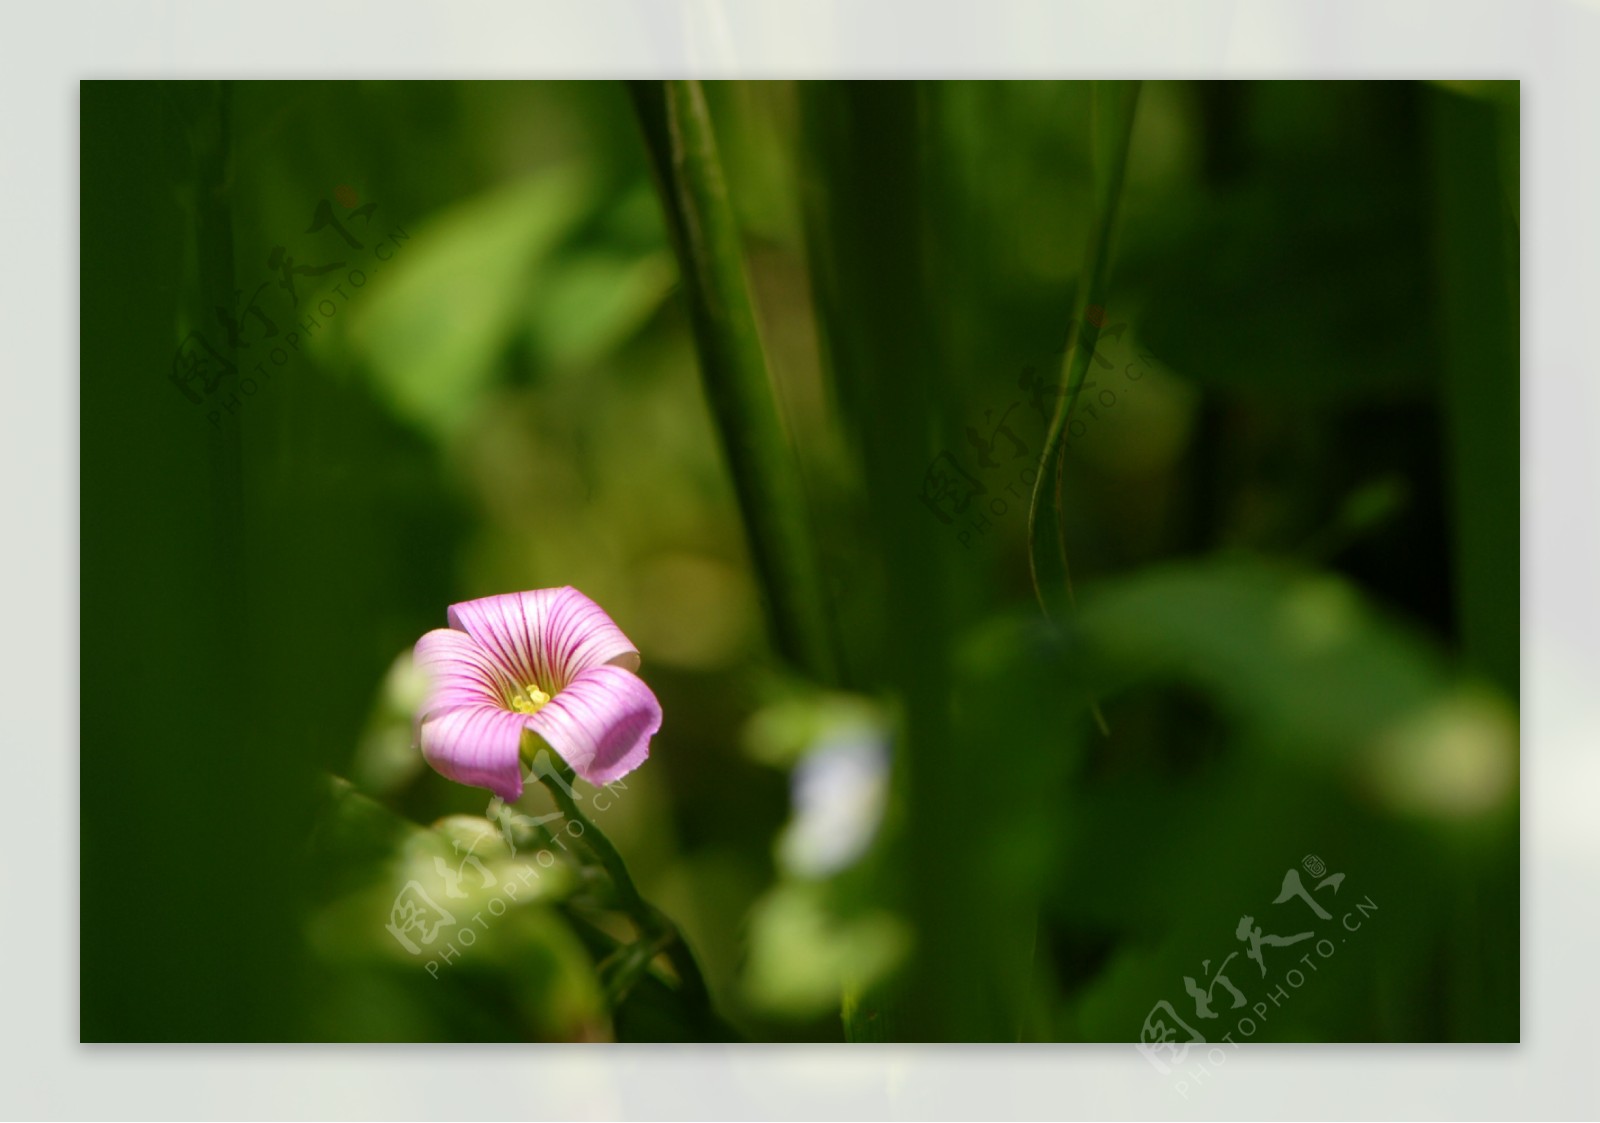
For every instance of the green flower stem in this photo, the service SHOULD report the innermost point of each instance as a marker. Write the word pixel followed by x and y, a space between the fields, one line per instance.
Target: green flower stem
pixel 621 970
pixel 656 929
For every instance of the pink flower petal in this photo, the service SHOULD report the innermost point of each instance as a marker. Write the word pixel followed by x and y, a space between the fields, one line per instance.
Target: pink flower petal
pixel 460 673
pixel 601 723
pixel 477 745
pixel 545 637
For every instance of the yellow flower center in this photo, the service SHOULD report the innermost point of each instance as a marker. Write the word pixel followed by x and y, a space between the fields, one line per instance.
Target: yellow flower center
pixel 528 700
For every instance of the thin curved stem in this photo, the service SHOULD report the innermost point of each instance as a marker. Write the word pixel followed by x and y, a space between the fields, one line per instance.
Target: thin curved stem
pixel 1113 127
pixel 1114 105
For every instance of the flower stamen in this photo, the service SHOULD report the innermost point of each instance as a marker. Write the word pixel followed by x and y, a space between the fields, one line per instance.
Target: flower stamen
pixel 529 700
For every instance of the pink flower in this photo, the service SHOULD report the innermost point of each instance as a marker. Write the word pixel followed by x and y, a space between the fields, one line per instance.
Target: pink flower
pixel 549 664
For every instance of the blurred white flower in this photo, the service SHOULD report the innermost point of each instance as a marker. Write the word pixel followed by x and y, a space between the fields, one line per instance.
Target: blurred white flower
pixel 839 789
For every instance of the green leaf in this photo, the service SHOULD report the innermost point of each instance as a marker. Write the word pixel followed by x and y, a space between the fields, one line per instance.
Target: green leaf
pixel 804 953
pixel 1310 672
pixel 434 324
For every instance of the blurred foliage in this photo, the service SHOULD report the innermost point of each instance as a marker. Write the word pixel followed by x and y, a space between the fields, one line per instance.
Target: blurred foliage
pixel 1289 500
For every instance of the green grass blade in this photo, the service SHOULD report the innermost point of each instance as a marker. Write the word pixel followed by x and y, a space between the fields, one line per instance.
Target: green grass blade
pixel 1477 278
pixel 705 235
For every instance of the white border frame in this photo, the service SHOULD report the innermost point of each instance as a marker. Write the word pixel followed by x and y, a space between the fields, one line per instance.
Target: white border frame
pixel 1552 46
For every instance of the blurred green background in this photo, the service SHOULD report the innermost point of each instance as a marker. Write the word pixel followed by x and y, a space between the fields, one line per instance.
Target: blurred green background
pixel 352 352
